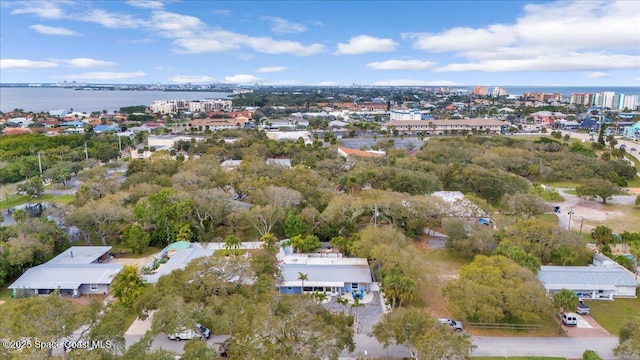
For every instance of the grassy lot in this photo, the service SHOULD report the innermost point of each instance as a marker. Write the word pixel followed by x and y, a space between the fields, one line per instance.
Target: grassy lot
pixel 612 315
pixel 441 262
pixel 625 220
pixel 21 199
pixel 5 293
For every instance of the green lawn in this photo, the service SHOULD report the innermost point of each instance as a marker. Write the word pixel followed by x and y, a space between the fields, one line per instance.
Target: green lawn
pixel 612 315
pixel 21 199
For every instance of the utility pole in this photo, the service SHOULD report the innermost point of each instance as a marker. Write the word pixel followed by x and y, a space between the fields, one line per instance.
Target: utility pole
pixel 570 213
pixel 119 146
pixel 581 223
pixel 86 153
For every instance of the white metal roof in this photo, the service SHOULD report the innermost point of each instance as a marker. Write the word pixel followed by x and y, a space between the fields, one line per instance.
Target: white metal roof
pixel 66 276
pixel 601 278
pixel 80 255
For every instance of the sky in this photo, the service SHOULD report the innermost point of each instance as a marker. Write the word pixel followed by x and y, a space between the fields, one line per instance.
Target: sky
pixel 322 43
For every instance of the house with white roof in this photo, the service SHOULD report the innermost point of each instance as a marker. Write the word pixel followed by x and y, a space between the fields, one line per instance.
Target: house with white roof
pixel 79 270
pixel 328 273
pixel 589 282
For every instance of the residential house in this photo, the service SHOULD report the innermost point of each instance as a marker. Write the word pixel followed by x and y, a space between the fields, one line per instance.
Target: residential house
pixel 603 282
pixel 79 270
pixel 546 117
pixel 333 275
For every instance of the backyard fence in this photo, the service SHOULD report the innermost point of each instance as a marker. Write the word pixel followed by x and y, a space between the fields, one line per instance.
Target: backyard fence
pixel 505 326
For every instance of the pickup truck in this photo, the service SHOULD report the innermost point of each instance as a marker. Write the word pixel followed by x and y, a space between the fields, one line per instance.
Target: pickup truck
pixel 583 308
pixel 455 325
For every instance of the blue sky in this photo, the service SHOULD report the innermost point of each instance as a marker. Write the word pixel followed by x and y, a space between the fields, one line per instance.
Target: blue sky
pixel 431 43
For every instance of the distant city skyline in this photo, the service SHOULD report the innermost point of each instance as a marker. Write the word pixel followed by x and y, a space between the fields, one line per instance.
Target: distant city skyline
pixel 378 43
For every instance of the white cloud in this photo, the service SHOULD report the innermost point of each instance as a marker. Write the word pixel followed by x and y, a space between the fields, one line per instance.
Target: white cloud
pixel 26 64
pixel 105 75
pixel 553 61
pixel 146 4
pixel 221 12
pixel 363 44
pixel 270 69
pixel 135 41
pixel 327 83
pixel 412 82
pixel 175 25
pixel 88 63
pixel 401 65
pixel 242 79
pixel 111 20
pixel 52 30
pixel 192 36
pixel 191 79
pixel 282 26
pixel 165 68
pixel 597 75
pixel 462 39
pixel 42 9
pixel 558 36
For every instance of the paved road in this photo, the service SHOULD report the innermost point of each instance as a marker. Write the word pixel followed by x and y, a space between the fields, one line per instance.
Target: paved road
pixel 560 347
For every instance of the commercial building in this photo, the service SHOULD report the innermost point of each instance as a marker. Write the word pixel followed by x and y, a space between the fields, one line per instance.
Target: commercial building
pixel 440 127
pixel 402 115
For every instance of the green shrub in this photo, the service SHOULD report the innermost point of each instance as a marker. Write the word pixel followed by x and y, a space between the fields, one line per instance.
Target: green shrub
pixel 590 355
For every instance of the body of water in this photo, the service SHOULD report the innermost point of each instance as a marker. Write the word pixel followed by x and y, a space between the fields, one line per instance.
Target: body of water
pixel 50 98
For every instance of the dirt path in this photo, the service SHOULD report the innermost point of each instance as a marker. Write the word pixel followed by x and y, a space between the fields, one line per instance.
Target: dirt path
pixel 592 210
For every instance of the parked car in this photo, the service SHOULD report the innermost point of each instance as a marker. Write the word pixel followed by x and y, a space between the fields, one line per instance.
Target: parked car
pixel 199 332
pixel 570 319
pixel 583 308
pixel 455 325
pixel 633 149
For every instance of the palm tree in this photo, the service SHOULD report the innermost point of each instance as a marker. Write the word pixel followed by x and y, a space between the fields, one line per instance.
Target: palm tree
pixel 342 301
pixel 564 300
pixel 356 304
pixel 232 242
pixel 320 296
pixel 302 277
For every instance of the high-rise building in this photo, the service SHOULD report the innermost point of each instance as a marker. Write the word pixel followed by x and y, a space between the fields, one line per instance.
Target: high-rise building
pixel 499 92
pixel 586 99
pixel 630 102
pixel 605 99
pixel 480 91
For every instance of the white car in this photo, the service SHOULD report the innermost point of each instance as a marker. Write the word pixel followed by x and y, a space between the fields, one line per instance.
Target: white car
pixel 455 325
pixel 200 332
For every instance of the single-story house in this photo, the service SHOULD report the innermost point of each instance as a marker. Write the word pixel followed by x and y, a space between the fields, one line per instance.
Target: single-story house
pixel 589 282
pixel 79 270
pixel 179 254
pixel 333 276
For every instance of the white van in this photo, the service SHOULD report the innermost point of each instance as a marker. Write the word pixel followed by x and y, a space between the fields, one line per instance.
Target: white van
pixel 570 319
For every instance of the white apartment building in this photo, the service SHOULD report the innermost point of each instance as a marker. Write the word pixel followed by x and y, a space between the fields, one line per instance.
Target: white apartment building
pixel 630 102
pixel 210 105
pixel 605 99
pixel 585 99
pixel 207 105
